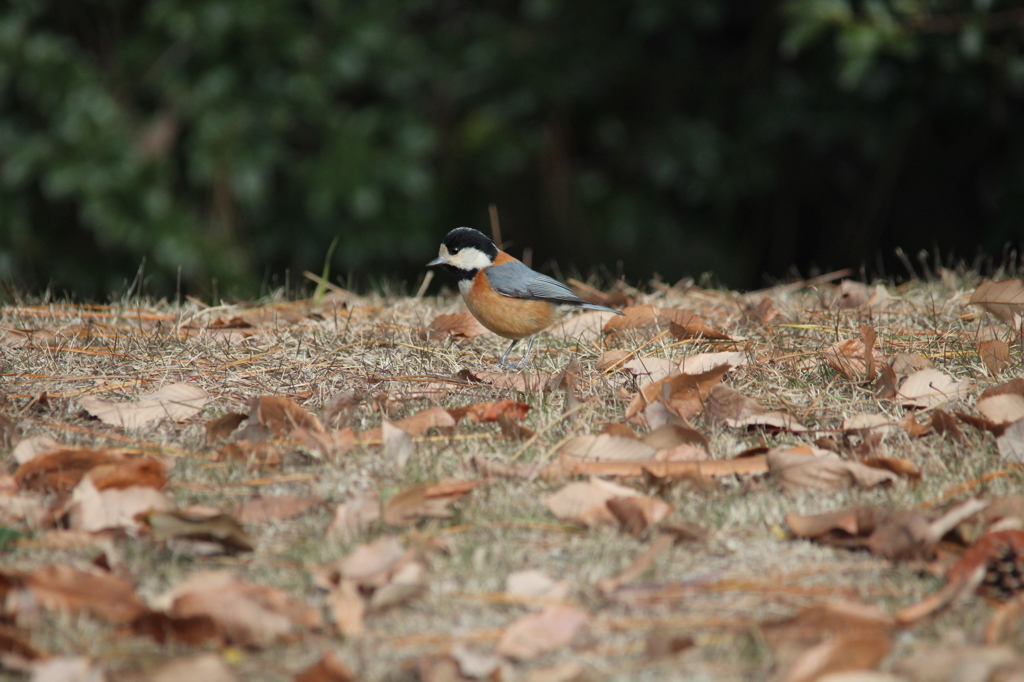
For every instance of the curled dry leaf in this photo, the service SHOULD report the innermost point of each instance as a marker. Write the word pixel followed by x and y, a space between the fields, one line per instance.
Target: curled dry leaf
pixel 905 364
pixel 549 630
pixel 604 448
pixel 738 411
pixel 222 427
pixel 1002 409
pixel 995 355
pixel 851 359
pixel 1004 299
pixel 353 518
pixel 415 425
pixel 61 470
pixel 425 501
pixel 28 448
pixel 1011 442
pixel 272 416
pixel 246 614
pixel 205 667
pixel 456 326
pixel 1000 556
pixel 94 510
pixel 274 508
pixel 685 393
pixel 637 513
pixel 182 524
pixel 534 584
pixel 398 444
pixel 1012 386
pixel 490 412
pixel 329 668
pixel 859 521
pixel 586 503
pixel 176 402
pixel 804 466
pixel 930 388
pixel 851 294
pixel 62 587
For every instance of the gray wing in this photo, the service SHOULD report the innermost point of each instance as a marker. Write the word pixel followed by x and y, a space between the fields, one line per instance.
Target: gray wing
pixel 516 280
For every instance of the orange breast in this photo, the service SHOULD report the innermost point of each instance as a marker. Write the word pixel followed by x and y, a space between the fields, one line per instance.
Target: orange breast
pixel 513 318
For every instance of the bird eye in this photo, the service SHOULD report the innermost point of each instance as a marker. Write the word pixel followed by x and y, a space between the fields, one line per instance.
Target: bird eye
pixel 454 250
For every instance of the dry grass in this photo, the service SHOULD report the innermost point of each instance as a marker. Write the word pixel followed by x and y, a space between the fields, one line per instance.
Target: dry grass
pixel 744 575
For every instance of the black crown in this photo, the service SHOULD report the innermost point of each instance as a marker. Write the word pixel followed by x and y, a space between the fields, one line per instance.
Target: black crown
pixel 465 237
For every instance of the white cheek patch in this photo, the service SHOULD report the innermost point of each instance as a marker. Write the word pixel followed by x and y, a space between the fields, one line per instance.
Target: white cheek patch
pixel 470 259
pixel 464 286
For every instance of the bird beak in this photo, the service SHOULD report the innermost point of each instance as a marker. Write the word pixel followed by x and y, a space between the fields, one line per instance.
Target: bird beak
pixel 436 261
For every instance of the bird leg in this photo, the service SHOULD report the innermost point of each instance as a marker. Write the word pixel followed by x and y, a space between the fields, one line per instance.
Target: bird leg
pixel 522 362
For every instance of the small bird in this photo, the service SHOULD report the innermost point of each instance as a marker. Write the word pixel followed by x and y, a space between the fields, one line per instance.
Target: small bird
pixel 505 295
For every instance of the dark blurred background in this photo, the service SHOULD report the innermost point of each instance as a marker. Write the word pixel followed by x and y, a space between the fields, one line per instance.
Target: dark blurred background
pixel 225 143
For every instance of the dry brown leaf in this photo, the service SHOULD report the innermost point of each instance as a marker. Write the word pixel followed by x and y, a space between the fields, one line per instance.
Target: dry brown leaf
pixel 276 417
pixel 685 393
pixel 695 328
pixel 584 328
pixel 851 359
pixel 425 501
pixel 905 364
pixel 456 326
pixel 1000 556
pixel 94 510
pixel 995 355
pixel 348 607
pixel 330 445
pixel 17 654
pixel 177 402
pixel 1011 442
pixel 535 634
pixel 67 669
pixel 851 294
pixel 222 427
pixel 476 665
pixel 958 664
pixel 833 637
pixel 603 448
pixel 62 587
pixel 246 613
pixel 490 412
pixel 533 584
pixel 329 668
pixel 668 436
pixel 204 667
pixel 370 564
pixel 138 471
pixel 398 444
pixel 930 388
pixel 859 521
pixel 28 448
pixel 803 466
pixel 256 453
pixel 1012 386
pixel 264 509
pixel 353 518
pixel 640 565
pixel 715 468
pixel 637 513
pixel 61 470
pixel 182 524
pixel 1004 299
pixel 1002 409
pixel 586 503
pixel 734 409
pixel 760 313
pixel 509 381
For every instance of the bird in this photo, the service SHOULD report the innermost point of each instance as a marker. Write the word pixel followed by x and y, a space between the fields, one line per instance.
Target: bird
pixel 505 295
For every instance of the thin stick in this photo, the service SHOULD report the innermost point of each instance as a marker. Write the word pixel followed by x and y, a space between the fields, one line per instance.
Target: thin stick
pixel 495 225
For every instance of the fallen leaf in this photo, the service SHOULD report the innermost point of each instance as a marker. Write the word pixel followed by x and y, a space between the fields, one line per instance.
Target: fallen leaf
pixel 952 663
pixel 476 665
pixel 398 444
pixel 273 416
pixel 685 392
pixel 995 355
pixel 1001 409
pixel 1011 442
pixel 17 654
pixel 640 565
pixel 760 313
pixel 744 466
pixel 604 448
pixel 850 358
pixel 833 637
pixel 61 470
pixel 456 326
pixel 859 521
pixel 425 501
pixel 329 668
pixel 1000 556
pixel 370 564
pixel 177 402
pixel 182 525
pixel 637 513
pixel 135 472
pixel 734 409
pixel 586 503
pixel 1004 299
pixel 1015 386
pixel 205 667
pixel 67 669
pixel 509 381
pixel 803 466
pixel 930 388
pixel 584 328
pixel 348 607
pixel 851 294
pixel 28 448
pixel 220 428
pixel 246 613
pixel 905 364
pixel 94 510
pixel 353 518
pixel 62 587
pixel 255 452
pixel 490 412
pixel 549 630
pixel 264 509
pixel 534 584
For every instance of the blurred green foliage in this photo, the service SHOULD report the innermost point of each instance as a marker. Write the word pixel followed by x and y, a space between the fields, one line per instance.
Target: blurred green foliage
pixel 222 140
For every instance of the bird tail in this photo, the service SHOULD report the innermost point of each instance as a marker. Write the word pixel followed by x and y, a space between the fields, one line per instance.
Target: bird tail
pixel 594 306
